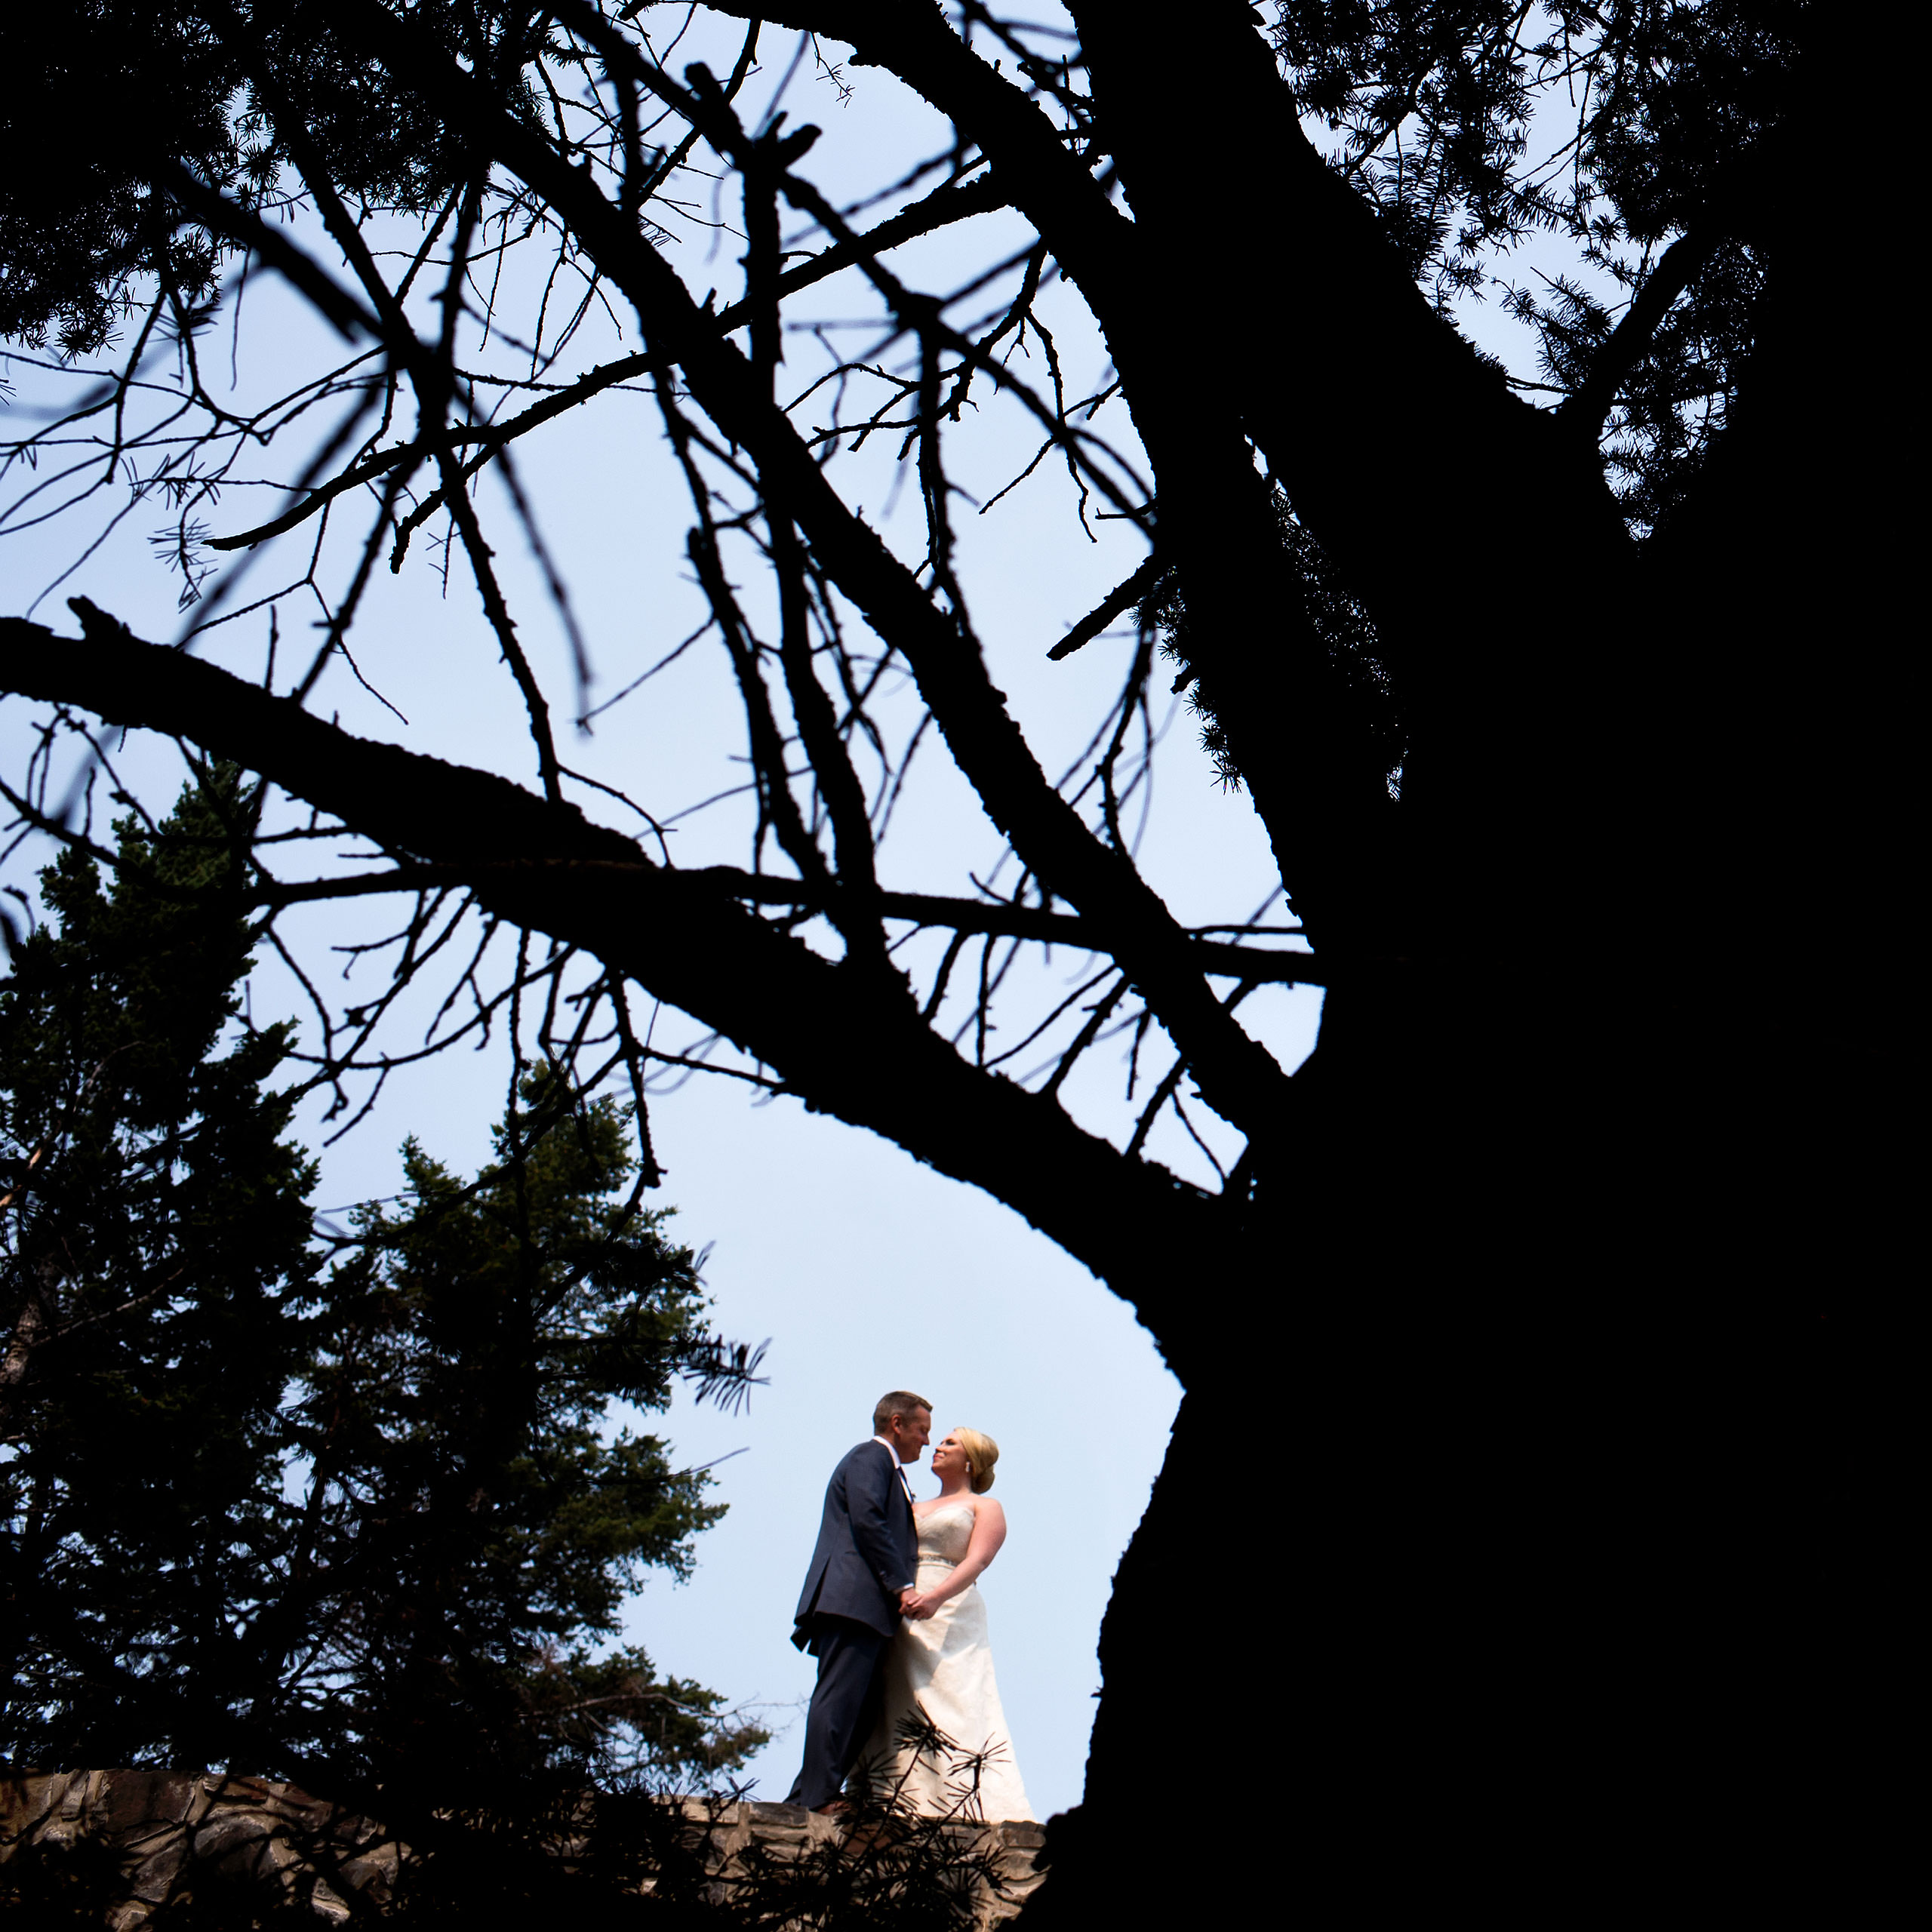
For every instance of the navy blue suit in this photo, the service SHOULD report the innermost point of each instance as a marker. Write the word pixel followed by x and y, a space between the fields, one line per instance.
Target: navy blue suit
pixel 868 1553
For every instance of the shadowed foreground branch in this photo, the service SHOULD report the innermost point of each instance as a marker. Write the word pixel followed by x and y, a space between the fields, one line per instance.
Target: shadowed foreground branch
pixel 679 935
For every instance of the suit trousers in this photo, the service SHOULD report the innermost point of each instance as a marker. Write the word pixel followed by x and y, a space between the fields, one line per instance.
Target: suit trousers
pixel 846 1702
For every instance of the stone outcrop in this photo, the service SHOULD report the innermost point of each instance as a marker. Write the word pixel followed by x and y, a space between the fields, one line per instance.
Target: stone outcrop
pixel 170 1830
pixel 171 1833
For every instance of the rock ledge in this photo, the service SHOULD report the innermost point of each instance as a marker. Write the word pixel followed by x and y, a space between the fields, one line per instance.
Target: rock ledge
pixel 173 1831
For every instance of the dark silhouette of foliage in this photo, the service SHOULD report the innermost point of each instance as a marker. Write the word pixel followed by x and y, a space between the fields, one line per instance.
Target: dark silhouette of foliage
pixel 453 1432
pixel 1334 616
pixel 54 1890
pixel 157 1252
pixel 170 96
pixel 343 1523
pixel 101 88
pixel 1671 110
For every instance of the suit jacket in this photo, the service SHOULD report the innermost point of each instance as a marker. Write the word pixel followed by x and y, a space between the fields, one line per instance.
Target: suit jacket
pixel 867 1546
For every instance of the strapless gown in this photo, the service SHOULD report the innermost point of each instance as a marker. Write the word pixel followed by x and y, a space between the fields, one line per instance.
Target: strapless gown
pixel 943 1666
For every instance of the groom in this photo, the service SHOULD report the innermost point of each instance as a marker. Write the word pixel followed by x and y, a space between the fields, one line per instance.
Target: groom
pixel 862 1572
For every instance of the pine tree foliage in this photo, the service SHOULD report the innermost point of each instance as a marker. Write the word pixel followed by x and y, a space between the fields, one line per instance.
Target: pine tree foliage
pixel 1347 632
pixel 1629 129
pixel 350 1523
pixel 82 215
pixel 158 1262
pixel 174 110
pixel 454 1438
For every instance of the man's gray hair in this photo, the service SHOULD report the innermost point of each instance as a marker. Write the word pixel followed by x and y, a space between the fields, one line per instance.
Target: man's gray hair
pixel 900 1402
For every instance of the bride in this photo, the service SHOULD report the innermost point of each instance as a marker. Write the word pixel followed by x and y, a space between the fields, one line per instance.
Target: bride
pixel 939 1672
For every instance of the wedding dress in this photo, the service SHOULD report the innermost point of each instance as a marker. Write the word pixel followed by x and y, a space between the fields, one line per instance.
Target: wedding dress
pixel 943 1665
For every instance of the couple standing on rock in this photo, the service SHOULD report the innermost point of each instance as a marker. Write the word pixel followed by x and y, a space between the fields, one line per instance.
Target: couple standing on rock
pixel 891 1609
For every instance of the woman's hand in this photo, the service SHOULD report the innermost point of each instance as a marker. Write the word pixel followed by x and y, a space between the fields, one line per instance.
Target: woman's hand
pixel 988 1533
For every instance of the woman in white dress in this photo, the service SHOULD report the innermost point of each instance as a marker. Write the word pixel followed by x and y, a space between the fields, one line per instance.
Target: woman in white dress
pixel 939 1673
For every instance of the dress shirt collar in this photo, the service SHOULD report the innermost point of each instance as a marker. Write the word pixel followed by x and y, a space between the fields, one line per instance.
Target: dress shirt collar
pixel 885 1443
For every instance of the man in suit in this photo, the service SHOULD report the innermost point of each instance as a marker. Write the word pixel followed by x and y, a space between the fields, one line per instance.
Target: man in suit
pixel 862 1572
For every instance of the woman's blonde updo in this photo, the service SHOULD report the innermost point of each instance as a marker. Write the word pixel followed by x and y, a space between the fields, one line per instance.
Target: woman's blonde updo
pixel 981 1453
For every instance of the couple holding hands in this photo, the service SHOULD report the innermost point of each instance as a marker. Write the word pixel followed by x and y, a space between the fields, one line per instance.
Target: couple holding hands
pixel 891 1609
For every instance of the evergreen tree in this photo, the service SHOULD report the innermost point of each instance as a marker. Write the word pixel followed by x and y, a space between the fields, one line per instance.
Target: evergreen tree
pixel 472 1520
pixel 336 1527
pixel 156 1248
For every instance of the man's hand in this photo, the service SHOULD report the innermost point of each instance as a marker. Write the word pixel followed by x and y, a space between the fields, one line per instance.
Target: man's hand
pixel 915 1605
